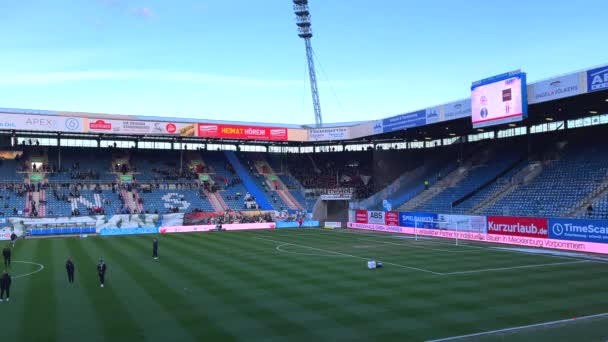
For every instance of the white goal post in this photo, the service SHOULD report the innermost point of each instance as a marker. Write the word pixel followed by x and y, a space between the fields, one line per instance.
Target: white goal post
pixel 455 225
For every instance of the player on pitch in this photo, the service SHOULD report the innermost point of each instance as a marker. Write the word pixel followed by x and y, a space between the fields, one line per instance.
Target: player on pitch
pixel 101 271
pixel 155 249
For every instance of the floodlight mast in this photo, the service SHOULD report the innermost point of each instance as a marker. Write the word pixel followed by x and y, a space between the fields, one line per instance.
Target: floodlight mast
pixel 300 8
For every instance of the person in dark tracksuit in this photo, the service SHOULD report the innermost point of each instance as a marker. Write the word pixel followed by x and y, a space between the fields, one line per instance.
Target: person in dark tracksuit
pixel 70 268
pixel 13 239
pixel 101 271
pixel 155 249
pixel 5 286
pixel 6 253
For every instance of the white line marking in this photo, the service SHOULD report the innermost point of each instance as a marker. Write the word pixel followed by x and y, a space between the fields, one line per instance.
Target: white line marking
pixel 462 243
pixel 521 327
pixel 352 256
pixel 408 245
pixel 518 267
pixel 40 268
pixel 278 248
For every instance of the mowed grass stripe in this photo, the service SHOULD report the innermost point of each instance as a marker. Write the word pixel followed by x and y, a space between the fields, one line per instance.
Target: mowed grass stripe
pixel 341 316
pixel 13 312
pixel 41 299
pixel 76 315
pixel 156 284
pixel 242 322
pixel 261 294
pixel 112 311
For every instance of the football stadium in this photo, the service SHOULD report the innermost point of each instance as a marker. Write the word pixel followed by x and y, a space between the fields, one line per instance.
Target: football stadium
pixel 480 219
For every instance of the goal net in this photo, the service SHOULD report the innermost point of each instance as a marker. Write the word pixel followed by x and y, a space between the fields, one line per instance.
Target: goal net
pixel 447 230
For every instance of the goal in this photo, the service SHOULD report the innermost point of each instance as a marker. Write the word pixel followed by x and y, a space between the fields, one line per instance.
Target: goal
pixel 447 229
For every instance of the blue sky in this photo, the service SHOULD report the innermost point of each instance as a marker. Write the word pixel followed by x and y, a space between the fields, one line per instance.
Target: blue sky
pixel 242 60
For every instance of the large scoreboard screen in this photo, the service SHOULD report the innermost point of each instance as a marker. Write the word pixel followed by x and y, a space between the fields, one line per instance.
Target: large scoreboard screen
pixel 500 99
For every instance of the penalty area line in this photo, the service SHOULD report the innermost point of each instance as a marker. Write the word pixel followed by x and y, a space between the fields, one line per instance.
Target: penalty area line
pixel 523 327
pixel 350 255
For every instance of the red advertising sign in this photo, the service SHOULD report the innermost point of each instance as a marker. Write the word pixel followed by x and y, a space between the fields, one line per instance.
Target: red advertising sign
pixel 241 132
pixel 100 125
pixel 391 218
pixel 361 216
pixel 518 226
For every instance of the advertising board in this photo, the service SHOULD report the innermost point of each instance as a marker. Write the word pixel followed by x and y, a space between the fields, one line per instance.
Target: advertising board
pixel 30 122
pixel 556 88
pixel 465 223
pixel 518 226
pixel 404 121
pixel 418 220
pixel 577 246
pixel 391 218
pixel 332 225
pixel 241 132
pixel 293 224
pixel 328 134
pixel 210 227
pixel 579 230
pixel 361 216
pixel 597 79
pixel 375 217
pixel 127 231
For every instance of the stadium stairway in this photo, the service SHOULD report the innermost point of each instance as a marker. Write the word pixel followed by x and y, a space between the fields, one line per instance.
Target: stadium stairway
pixel 198 164
pixel 275 183
pixel 498 190
pixel 128 199
pixel 594 199
pixel 248 181
pixel 425 196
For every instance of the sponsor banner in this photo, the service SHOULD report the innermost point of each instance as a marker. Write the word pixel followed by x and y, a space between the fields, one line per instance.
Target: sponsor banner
pixel 375 217
pixel 293 224
pixel 597 79
pixel 332 225
pixel 457 110
pixel 404 121
pixel 418 220
pixel 361 216
pixel 210 227
pixel 241 132
pixel 127 231
pixel 391 218
pixel 578 246
pixel 579 230
pixel 555 88
pixel 40 123
pixel 518 226
pixel 111 126
pixel 327 134
pixel 434 114
pixel 336 197
pixel 465 223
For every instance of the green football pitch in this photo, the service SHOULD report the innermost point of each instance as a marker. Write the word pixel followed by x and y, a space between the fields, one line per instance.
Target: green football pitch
pixel 300 285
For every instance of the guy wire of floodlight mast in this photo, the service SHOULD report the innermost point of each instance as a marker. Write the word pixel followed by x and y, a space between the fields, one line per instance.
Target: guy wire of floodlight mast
pixel 300 8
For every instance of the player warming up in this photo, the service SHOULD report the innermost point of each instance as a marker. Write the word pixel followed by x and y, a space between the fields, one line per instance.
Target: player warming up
pixel 70 268
pixel 101 271
pixel 13 239
pixel 6 253
pixel 155 249
pixel 5 286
